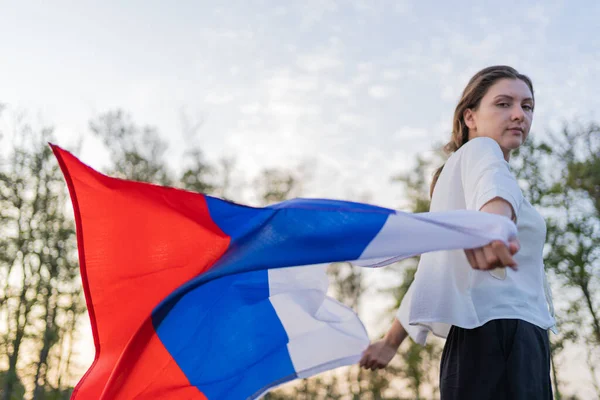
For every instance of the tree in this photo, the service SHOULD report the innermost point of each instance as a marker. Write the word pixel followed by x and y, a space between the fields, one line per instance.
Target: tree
pixel 420 364
pixel 273 185
pixel 38 266
pixel 561 176
pixel 136 152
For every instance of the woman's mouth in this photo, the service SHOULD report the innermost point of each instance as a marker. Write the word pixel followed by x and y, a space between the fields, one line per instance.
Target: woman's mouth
pixel 516 131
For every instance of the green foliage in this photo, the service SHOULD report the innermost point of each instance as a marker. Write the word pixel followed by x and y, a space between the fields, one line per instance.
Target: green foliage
pixel 196 176
pixel 273 186
pixel 17 391
pixel 561 177
pixel 136 152
pixel 420 364
pixel 40 287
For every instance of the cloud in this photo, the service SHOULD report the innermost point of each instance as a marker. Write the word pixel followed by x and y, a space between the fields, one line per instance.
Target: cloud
pixel 218 98
pixel 285 81
pixel 361 78
pixel 450 92
pixel 538 14
pixel 337 90
pixel 352 120
pixel 407 133
pixel 313 11
pixel 291 110
pixel 318 62
pixel 391 74
pixel 251 108
pixel 444 67
pixel 379 92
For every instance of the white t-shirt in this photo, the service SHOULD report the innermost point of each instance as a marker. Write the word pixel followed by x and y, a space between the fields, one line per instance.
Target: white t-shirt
pixel 446 290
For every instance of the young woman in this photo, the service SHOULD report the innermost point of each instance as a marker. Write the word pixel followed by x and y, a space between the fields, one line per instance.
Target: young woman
pixel 495 318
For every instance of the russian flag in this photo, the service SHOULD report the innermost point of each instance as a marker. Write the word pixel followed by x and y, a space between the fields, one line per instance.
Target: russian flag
pixel 193 297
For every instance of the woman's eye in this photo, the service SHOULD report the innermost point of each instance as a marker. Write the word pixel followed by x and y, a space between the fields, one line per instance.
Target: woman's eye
pixel 528 107
pixel 504 105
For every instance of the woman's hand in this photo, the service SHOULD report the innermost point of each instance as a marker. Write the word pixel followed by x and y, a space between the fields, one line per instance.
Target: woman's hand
pixel 380 353
pixel 494 255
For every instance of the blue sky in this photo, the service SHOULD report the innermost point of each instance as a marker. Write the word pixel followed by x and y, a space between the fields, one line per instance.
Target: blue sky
pixel 355 88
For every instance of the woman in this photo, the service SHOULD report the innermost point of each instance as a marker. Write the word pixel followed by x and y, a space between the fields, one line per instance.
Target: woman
pixel 495 318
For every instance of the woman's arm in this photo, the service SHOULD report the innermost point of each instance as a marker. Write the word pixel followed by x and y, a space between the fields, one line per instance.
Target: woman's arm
pixel 380 353
pixel 490 186
pixel 499 206
pixel 496 254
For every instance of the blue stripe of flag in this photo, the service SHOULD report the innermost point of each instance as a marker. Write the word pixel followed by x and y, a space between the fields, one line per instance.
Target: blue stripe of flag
pixel 220 327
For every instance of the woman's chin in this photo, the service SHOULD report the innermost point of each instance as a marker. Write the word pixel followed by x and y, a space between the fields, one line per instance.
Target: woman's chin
pixel 513 143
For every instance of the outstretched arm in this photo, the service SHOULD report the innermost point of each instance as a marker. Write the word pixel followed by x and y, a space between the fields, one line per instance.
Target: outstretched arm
pixel 496 254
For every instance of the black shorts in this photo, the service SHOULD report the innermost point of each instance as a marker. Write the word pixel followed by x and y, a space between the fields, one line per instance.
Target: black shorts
pixel 503 359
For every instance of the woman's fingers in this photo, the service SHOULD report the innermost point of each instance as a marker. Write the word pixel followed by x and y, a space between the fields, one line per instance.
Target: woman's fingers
pixel 505 255
pixel 374 365
pixel 377 366
pixel 480 258
pixel 364 359
pixel 514 246
pixel 494 255
pixel 491 257
pixel 471 258
pixel 377 356
pixel 368 360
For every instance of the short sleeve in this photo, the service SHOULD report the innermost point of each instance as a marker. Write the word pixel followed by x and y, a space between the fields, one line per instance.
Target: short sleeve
pixel 486 175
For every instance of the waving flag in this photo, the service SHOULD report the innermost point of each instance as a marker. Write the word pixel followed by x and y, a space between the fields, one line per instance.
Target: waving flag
pixel 193 297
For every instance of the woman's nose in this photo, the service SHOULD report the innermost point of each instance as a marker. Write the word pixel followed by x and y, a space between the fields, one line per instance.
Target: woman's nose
pixel 518 113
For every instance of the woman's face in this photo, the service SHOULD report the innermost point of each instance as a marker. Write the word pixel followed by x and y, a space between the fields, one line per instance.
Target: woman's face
pixel 504 114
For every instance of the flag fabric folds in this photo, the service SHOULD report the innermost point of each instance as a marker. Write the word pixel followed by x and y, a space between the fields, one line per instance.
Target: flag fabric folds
pixel 194 297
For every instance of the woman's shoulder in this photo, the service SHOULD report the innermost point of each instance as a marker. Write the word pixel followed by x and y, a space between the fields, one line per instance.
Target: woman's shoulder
pixel 480 147
pixel 471 157
pixel 473 151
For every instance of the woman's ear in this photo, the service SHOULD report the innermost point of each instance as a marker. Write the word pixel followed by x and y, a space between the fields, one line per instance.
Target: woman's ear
pixel 469 118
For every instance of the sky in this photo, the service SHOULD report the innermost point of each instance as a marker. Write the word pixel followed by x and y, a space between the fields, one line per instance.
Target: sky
pixel 356 89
